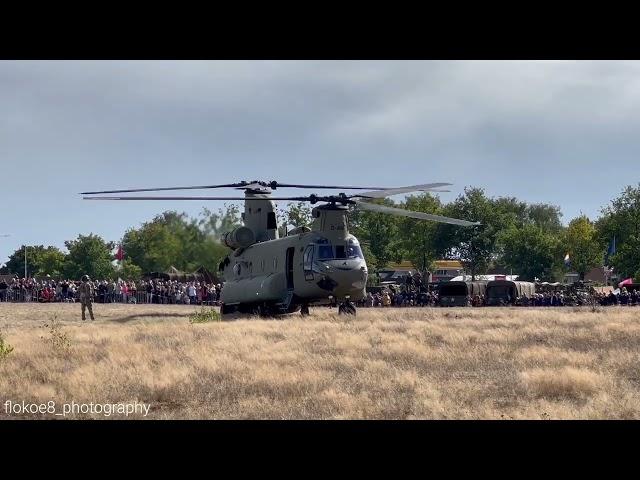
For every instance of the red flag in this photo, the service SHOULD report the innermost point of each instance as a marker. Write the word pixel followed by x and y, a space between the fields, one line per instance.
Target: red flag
pixel 120 254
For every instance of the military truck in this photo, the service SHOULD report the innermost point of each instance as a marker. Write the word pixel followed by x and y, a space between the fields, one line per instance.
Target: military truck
pixel 505 292
pixel 459 294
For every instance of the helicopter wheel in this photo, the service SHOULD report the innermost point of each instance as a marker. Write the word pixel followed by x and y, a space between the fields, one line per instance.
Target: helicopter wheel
pixel 227 309
pixel 261 310
pixel 304 310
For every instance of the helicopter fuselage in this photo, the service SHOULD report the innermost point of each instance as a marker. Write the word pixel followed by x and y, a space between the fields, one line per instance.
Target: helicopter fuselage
pixel 315 266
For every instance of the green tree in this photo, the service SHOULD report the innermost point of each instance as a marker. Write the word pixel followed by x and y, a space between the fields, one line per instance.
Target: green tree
pixel 378 234
pixel 51 262
pixel 298 215
pixel 129 271
pixel 88 255
pixel 621 220
pixel 626 261
pixel 585 248
pixel 216 224
pixel 173 239
pixel 530 251
pixel 545 216
pixel 41 261
pixel 476 246
pixel 418 238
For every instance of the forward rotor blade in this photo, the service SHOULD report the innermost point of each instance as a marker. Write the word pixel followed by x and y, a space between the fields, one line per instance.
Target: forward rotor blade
pixel 388 192
pixel 300 199
pixel 373 207
pixel 226 185
pixel 337 187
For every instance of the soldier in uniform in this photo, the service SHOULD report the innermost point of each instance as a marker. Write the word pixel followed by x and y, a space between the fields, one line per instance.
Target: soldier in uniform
pixel 86 296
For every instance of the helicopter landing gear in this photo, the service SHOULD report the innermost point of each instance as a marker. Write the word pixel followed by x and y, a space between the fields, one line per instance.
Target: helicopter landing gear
pixel 227 309
pixel 304 310
pixel 347 308
pixel 262 310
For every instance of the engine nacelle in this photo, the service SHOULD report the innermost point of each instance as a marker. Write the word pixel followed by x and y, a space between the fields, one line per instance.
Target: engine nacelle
pixel 241 237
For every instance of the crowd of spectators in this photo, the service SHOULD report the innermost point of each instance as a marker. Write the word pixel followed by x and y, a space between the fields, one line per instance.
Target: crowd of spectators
pixel 412 292
pixel 111 291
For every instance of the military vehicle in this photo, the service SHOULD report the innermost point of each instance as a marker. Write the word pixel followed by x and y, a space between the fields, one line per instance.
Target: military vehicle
pixel 321 265
pixel 459 294
pixel 505 292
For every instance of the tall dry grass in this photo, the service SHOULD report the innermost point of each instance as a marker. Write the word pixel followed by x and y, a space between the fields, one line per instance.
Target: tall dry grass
pixel 383 364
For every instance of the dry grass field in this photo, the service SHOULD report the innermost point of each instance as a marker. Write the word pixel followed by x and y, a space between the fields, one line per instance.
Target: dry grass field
pixel 454 363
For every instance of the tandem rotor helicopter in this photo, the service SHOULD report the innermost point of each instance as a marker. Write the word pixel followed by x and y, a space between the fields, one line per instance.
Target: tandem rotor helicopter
pixel 321 265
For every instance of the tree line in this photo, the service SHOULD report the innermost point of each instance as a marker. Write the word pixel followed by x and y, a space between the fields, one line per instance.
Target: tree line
pixel 528 239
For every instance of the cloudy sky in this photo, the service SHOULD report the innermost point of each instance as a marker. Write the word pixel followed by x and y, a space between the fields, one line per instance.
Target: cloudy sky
pixel 566 133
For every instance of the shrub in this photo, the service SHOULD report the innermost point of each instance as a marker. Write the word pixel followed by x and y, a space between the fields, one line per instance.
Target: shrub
pixel 58 339
pixel 5 348
pixel 205 315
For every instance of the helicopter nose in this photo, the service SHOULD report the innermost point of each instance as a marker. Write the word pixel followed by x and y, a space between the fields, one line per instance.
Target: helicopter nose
pixel 349 279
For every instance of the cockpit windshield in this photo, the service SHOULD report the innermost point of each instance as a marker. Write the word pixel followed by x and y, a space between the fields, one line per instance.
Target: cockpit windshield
pixel 325 252
pixel 353 251
pixel 341 251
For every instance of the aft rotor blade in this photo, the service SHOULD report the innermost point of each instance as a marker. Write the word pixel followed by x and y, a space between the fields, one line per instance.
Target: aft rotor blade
pixel 373 207
pixel 160 189
pixel 388 192
pixel 300 199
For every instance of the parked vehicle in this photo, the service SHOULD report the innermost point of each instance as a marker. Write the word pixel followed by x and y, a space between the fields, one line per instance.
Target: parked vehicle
pixel 505 292
pixel 459 294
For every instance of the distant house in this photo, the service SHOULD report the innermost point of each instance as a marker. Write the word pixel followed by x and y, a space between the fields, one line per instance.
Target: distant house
pixel 444 271
pixel 488 278
pixel 596 274
pixel 396 272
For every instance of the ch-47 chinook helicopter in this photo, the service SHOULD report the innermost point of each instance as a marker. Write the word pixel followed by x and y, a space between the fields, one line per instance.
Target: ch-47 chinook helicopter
pixel 321 265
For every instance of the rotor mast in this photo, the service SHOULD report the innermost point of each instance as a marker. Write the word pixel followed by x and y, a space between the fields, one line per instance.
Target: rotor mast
pixel 260 214
pixel 331 220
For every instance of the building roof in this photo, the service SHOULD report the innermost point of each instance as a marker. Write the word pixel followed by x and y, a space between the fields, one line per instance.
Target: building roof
pixel 439 264
pixel 445 264
pixel 489 278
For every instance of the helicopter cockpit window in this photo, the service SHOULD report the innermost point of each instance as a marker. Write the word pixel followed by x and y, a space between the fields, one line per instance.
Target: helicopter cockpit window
pixel 340 253
pixel 354 251
pixel 325 252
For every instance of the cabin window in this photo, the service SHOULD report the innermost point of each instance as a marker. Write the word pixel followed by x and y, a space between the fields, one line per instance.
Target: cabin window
pixel 340 252
pixel 308 263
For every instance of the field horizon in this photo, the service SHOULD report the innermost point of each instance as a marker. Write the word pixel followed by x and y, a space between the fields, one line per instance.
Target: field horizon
pixel 385 363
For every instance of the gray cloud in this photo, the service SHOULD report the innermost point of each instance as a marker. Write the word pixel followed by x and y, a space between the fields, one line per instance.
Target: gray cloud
pixel 559 132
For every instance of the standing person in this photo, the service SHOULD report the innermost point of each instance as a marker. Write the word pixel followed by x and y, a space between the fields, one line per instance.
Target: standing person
pixel 150 291
pixel 86 296
pixel 191 293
